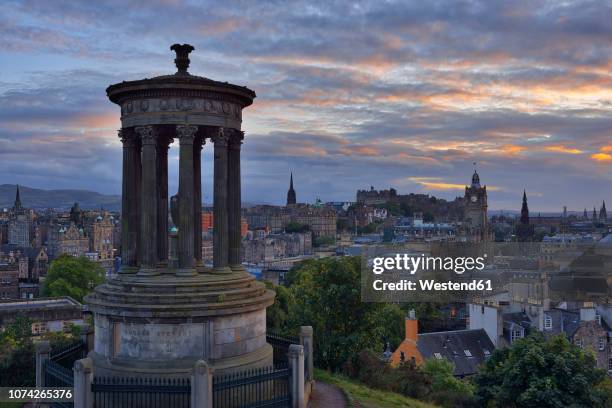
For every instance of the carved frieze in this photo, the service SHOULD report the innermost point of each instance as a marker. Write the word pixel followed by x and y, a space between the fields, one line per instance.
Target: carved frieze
pixel 168 105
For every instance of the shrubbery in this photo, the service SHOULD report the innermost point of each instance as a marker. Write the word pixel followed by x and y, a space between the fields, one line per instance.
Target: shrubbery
pixel 433 381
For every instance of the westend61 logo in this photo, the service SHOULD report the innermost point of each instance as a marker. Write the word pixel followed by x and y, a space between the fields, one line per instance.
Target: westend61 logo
pixel 405 265
pixel 412 264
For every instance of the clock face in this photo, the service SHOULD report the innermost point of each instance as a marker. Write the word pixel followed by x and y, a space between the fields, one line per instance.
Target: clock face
pixel 473 198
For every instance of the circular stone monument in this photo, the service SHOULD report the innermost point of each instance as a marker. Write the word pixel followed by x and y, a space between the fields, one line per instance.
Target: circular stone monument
pixel 160 314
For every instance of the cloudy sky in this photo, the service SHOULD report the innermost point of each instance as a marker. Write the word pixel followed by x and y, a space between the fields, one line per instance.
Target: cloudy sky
pixel 403 94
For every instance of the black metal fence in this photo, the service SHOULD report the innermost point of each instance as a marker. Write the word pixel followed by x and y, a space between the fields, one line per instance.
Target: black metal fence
pixel 266 387
pixel 57 375
pixel 67 355
pixel 280 345
pixel 141 392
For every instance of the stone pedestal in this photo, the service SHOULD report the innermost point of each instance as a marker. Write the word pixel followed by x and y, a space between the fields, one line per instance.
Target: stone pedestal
pixel 153 327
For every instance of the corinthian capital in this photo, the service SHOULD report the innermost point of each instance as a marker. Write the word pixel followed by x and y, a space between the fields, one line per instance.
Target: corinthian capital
pixel 235 138
pixel 186 133
pixel 219 137
pixel 127 138
pixel 146 133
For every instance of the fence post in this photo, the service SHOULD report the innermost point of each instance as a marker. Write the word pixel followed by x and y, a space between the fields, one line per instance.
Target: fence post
pixel 42 356
pixel 306 342
pixel 201 385
pixel 83 377
pixel 87 338
pixel 296 365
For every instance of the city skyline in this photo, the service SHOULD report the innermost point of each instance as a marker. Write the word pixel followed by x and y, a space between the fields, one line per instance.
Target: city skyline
pixel 395 95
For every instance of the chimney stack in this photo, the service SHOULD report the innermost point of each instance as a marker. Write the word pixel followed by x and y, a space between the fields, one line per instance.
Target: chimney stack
pixel 412 327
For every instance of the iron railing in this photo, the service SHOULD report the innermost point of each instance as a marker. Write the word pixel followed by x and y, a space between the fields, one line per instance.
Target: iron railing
pixel 267 387
pixel 112 392
pixel 57 375
pixel 68 354
pixel 280 345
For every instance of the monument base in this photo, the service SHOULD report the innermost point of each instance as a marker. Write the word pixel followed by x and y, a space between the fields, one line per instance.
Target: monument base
pixel 161 325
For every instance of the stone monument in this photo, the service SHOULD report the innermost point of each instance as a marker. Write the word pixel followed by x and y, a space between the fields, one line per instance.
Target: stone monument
pixel 155 317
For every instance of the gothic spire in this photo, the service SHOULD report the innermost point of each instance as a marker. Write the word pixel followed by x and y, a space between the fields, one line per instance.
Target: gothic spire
pixel 524 210
pixel 603 214
pixel 291 197
pixel 17 204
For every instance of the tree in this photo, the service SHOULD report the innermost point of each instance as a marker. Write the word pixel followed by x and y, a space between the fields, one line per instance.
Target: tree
pixel 17 365
pixel 535 372
pixel 327 295
pixel 74 277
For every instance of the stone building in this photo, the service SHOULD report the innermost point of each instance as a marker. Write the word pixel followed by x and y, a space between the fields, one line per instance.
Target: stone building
pixel 321 220
pixel 46 314
pixel 272 247
pixel 475 222
pixel 70 240
pixel 101 238
pixel 372 196
pixel 9 281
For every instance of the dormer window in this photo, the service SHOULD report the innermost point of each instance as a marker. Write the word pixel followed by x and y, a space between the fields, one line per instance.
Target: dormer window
pixel 547 322
pixel 468 353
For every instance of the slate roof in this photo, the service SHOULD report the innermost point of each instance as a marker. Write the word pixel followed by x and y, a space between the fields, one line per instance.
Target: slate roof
pixel 452 345
pixel 563 321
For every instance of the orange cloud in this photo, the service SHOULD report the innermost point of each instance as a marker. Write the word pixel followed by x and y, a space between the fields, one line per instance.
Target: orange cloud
pixel 601 157
pixel 433 183
pixel 563 149
pixel 606 149
pixel 513 149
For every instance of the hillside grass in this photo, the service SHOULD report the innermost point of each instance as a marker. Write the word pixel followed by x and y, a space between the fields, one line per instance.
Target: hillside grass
pixel 368 397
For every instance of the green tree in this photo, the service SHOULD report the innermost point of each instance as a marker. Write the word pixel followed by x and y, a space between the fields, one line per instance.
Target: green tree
pixel 535 372
pixel 327 296
pixel 293 226
pixel 74 277
pixel 324 241
pixel 17 365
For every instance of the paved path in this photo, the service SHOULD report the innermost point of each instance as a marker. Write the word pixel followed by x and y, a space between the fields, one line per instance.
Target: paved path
pixel 327 396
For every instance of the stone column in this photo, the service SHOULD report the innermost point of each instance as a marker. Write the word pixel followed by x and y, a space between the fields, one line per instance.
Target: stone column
pixel 220 213
pixel 234 201
pixel 296 369
pixel 83 377
pixel 186 198
pixel 130 205
pixel 306 342
pixel 197 177
pixel 162 204
pixel 149 197
pixel 42 356
pixel 201 385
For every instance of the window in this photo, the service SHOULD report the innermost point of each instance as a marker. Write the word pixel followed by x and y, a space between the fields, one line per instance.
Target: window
pixel 610 364
pixel 438 356
pixel 547 322
pixel 598 318
pixel 486 352
pixel 602 343
pixel 516 334
pixel 468 353
pixel 578 342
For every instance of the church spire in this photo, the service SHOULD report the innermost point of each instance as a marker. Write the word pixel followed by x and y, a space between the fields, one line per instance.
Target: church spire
pixel 291 199
pixel 17 205
pixel 524 210
pixel 603 214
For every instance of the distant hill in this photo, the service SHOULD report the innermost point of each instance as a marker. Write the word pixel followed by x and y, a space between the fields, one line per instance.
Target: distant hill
pixel 39 198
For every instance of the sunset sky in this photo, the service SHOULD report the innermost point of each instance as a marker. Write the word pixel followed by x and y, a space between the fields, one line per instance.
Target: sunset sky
pixel 402 94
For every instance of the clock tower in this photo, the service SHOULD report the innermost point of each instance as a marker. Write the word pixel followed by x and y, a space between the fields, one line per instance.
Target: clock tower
pixel 475 215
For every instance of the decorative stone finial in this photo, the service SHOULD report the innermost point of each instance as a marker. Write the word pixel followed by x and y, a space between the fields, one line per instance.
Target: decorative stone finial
pixel 182 57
